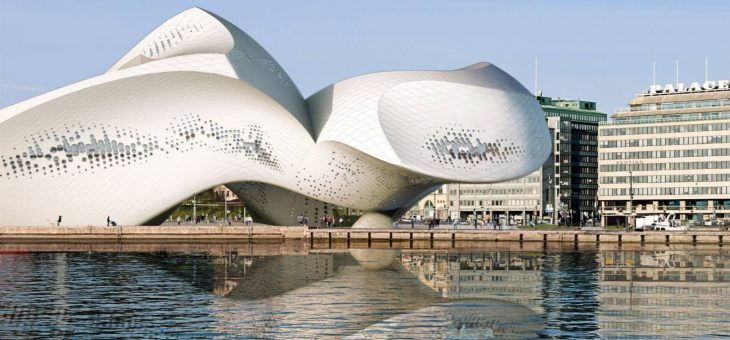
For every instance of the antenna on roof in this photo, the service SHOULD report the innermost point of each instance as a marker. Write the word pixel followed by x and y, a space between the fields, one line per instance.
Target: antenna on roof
pixel 677 74
pixel 535 77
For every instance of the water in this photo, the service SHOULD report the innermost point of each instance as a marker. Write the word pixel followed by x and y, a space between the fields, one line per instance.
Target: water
pixel 366 293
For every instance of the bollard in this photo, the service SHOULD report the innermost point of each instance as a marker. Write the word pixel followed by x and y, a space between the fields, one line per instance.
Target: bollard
pixel 694 240
pixel 666 239
pixel 619 239
pixel 598 238
pixel 520 237
pixel 642 239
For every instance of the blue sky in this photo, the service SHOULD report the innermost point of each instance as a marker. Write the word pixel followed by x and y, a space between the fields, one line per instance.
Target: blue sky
pixel 599 51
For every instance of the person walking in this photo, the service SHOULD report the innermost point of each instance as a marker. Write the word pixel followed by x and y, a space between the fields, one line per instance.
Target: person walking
pixel 178 220
pixel 58 224
pixel 108 221
pixel 413 222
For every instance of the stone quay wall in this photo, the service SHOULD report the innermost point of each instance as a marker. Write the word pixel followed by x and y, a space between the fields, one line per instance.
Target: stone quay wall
pixel 193 232
pixel 152 232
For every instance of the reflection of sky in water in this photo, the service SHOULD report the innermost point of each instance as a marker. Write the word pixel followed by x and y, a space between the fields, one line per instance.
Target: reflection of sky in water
pixel 391 295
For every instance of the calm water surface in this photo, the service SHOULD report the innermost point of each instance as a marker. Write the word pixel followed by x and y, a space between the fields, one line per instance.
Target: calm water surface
pixel 364 294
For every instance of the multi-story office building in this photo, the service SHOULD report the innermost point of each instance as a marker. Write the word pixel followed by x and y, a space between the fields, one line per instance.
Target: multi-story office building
pixel 564 188
pixel 668 153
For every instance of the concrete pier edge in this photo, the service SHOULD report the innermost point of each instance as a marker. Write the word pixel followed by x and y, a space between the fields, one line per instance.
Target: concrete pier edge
pixel 170 233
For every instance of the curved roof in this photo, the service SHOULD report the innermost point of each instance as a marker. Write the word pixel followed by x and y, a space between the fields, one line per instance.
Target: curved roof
pixel 196 31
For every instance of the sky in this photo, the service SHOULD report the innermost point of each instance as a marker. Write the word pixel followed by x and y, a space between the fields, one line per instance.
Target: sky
pixel 599 51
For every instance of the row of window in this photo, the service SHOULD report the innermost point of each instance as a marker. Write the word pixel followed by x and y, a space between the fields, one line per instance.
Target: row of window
pixel 681 105
pixel 585 127
pixel 668 302
pixel 665 141
pixel 667 178
pixel 494 191
pixel 645 130
pixel 694 190
pixel 674 204
pixel 577 116
pixel 585 148
pixel 580 159
pixel 516 203
pixel 665 154
pixel 669 118
pixel 579 137
pixel 665 166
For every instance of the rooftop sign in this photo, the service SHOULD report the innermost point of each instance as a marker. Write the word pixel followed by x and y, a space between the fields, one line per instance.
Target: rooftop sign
pixel 710 85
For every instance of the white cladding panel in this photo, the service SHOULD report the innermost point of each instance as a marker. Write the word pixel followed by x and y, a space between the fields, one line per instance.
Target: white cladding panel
pixel 214 108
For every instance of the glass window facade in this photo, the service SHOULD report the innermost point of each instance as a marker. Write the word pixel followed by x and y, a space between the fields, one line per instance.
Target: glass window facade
pixel 673 149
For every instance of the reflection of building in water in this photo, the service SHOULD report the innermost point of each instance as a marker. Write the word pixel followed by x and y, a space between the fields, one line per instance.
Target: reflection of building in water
pixel 246 277
pixel 275 275
pixel 672 293
pixel 512 277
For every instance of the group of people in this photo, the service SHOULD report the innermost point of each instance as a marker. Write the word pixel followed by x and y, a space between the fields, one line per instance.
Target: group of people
pixel 109 222
pixel 213 219
pixel 326 221
pixel 302 220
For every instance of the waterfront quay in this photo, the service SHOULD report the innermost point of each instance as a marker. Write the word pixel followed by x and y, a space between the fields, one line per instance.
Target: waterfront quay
pixel 259 232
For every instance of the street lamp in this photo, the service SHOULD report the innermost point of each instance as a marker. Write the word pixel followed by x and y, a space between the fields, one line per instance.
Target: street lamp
pixel 433 204
pixel 551 198
pixel 475 214
pixel 195 215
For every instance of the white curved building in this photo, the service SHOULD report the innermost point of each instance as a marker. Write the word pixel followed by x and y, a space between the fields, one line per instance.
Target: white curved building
pixel 198 103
